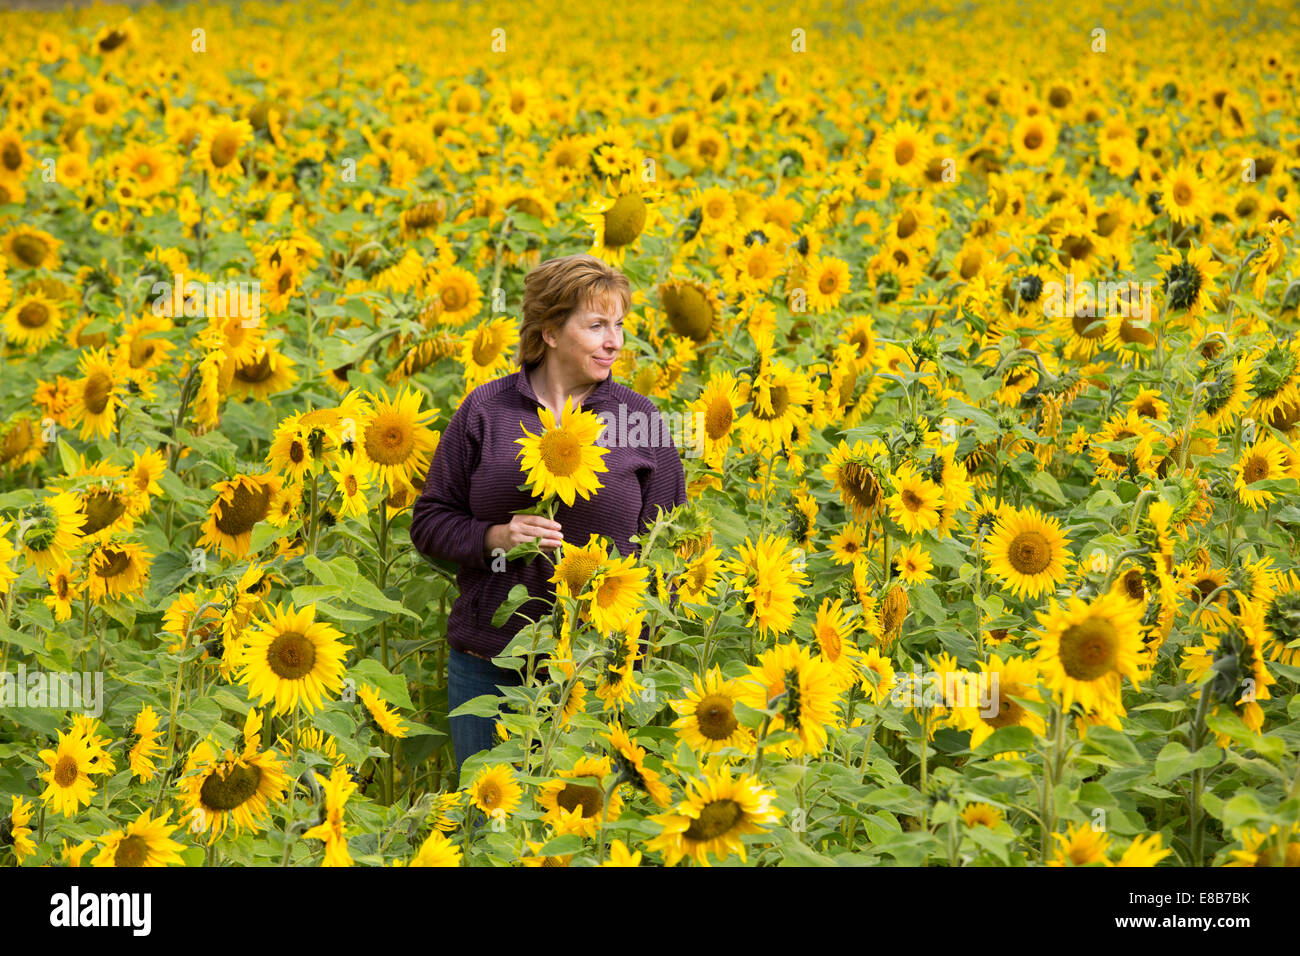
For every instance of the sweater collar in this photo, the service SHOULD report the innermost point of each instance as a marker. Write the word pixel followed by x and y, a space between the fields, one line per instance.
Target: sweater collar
pixel 596 394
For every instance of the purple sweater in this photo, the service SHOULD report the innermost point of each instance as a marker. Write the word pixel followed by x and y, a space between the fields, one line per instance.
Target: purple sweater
pixel 473 484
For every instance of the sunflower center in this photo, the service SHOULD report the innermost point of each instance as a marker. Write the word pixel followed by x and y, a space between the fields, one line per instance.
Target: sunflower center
pixel 829 638
pixel 1255 469
pixel 30 250
pixel 716 717
pixel 1029 552
pixel 65 771
pixel 1087 327
pixel 718 419
pixel 860 486
pixel 576 570
pixel 102 508
pixel 230 790
pixel 389 440
pixel 1182 194
pixel 827 283
pixel 911 500
pixel 132 851
pixel 33 315
pixel 1134 586
pixel 291 655
pixel 94 395
pixel 903 153
pixel 350 485
pixel 13 156
pixel 486 348
pixel 716 819
pixel 624 220
pixel 1009 712
pixel 689 311
pixel 489 795
pixel 225 147
pixel 1089 649
pixel 258 370
pixel 575 796
pixel 561 452
pixel 454 297
pixel 1033 139
pixel 246 507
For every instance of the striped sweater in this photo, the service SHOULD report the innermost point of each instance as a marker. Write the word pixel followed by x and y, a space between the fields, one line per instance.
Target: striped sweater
pixel 473 483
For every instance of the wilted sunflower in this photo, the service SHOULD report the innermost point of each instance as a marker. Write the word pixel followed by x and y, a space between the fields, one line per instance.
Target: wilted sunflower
pixel 563 459
pixel 1189 279
pixel 144 842
pixel 1027 552
pixel 1085 648
pixel 291 658
pixel 716 812
pixel 851 469
pixel 240 504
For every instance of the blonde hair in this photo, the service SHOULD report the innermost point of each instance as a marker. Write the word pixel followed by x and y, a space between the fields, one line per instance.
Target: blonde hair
pixel 555 290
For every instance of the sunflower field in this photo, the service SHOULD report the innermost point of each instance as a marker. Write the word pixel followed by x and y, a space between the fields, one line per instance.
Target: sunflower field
pixel 988 320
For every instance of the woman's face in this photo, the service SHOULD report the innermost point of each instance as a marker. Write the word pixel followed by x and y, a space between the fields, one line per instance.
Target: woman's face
pixel 589 341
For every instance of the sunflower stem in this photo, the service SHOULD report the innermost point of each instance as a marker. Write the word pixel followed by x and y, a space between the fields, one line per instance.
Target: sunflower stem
pixel 1198 776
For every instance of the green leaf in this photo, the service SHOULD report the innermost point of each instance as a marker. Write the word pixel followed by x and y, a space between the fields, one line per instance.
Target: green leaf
pixel 1006 739
pixel 365 593
pixel 1113 744
pixel 201 716
pixel 1174 760
pixel 516 599
pixel 391 687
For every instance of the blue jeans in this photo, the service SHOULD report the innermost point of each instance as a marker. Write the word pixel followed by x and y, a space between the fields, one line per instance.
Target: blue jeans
pixel 469 677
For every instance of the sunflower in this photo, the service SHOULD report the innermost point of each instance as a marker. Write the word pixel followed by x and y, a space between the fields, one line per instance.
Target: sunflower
pixel 620 855
pixel 237 789
pixel 221 141
pixel 575 803
pixel 1275 383
pixel 15 828
pixel 563 459
pixel 1226 395
pixel 1143 851
pixel 1263 461
pixel 393 438
pixel 437 850
pixel 29 248
pixel 615 591
pixel 1189 280
pixel 691 307
pixel 716 813
pixel 1027 552
pixel 1130 430
pixel 620 217
pixel 268 372
pixel 240 504
pixel 770 581
pixel 68 783
pixel 1084 648
pixel 707 719
pixel 485 350
pixel 291 658
pixel 1276 848
pixel 847 546
pixel 1282 620
pixel 144 747
pixel 903 152
pixel 63 590
pixel 1082 845
pixel 457 294
pixel 1034 140
pixel 852 471
pixel 33 321
pixel 981 815
pixel 94 395
pixel 629 760
pixel 144 842
pixel 717 407
pixel 1005 679
pixel 778 399
pixel 494 790
pixel 802 689
pixel 833 631
pixel 116 568
pixel 1231 667
pixel 336 789
pixel 827 283
pixel 1185 195
pixel 916 502
pixel 51 528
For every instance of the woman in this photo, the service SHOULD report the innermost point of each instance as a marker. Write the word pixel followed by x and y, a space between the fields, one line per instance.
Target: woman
pixel 571 333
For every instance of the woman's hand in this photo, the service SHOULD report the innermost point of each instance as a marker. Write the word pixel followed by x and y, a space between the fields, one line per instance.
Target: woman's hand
pixel 522 529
